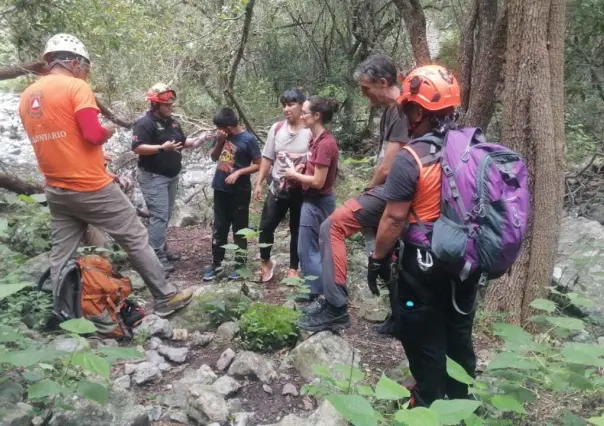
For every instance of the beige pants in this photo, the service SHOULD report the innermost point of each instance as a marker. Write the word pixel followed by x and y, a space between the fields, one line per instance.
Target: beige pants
pixel 109 210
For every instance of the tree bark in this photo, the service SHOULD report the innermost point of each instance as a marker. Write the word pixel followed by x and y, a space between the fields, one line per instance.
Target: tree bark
pixel 415 21
pixel 39 68
pixel 533 126
pixel 18 186
pixel 249 13
pixel 482 58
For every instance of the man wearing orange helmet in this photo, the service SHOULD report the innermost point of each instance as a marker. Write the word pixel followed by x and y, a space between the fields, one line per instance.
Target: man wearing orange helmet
pixel 158 139
pixel 60 115
pixel 429 328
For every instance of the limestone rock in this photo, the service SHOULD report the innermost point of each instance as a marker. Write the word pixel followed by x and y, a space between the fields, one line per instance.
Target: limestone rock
pixel 178 355
pixel 250 364
pixel 226 358
pixel 146 372
pixel 206 405
pixel 226 386
pixel 155 326
pixel 227 331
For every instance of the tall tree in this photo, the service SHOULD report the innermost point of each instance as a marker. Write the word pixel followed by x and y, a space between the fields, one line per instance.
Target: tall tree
pixel 534 126
pixel 415 21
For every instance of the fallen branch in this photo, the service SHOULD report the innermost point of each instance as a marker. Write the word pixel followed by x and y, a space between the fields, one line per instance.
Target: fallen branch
pixel 199 191
pixel 242 115
pixel 18 186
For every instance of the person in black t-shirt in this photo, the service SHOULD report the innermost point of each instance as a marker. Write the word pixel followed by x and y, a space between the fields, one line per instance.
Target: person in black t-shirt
pixel 238 155
pixel 158 139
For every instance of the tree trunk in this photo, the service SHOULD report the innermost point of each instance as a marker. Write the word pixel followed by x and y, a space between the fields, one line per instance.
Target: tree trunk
pixel 415 21
pixel 533 126
pixel 18 186
pixel 482 57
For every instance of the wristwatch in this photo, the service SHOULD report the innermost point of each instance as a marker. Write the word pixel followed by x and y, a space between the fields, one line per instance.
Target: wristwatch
pixel 161 149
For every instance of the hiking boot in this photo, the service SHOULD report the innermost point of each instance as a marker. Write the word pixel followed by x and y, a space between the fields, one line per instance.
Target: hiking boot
pixel 328 318
pixel 314 307
pixel 168 267
pixel 173 304
pixel 387 328
pixel 173 257
pixel 267 270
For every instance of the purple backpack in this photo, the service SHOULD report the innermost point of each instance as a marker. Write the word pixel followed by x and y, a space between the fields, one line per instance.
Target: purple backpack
pixel 485 205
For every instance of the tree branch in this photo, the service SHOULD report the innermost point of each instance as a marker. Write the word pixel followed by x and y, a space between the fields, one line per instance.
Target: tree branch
pixel 415 21
pixel 242 115
pixel 249 11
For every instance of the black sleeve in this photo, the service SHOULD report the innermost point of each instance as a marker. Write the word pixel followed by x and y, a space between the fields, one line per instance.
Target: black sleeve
pixel 142 133
pixel 396 127
pixel 402 180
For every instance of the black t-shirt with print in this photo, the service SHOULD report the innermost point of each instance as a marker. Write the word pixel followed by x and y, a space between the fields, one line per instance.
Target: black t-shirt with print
pixel 152 130
pixel 238 153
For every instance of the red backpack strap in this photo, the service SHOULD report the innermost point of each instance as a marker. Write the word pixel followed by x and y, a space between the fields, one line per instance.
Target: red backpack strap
pixel 278 126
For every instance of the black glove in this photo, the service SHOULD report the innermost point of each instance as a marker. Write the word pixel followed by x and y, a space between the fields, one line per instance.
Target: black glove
pixel 377 268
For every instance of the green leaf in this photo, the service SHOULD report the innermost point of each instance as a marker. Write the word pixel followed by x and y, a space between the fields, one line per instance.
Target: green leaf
pixel 543 305
pixel 419 416
pixel 245 273
pixel 566 323
pixel 458 373
pixel 247 233
pixel 230 246
pixel 29 357
pixel 570 419
pixel 473 420
pixel 518 392
pixel 92 363
pixel 43 389
pixel 320 371
pixel 78 326
pixel 598 421
pixel 584 354
pixel 292 281
pixel 349 373
pixel 93 391
pixel 355 409
pixel 38 198
pixel 8 334
pixel 8 289
pixel 311 278
pixel 451 412
pixel 577 299
pixel 512 360
pixel 365 390
pixel 513 334
pixel 113 354
pixel 3 224
pixel 264 245
pixel 33 376
pixel 388 389
pixel 507 403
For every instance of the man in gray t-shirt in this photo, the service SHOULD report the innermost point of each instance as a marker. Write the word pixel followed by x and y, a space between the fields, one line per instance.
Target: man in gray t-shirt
pixel 287 142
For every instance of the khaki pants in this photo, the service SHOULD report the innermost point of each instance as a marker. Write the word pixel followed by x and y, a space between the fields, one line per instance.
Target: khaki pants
pixel 109 210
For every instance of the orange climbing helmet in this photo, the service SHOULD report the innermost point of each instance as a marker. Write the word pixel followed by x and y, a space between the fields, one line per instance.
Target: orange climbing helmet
pixel 432 87
pixel 161 93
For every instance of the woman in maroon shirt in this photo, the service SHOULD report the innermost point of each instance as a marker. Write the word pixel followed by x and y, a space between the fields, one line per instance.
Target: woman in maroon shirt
pixel 317 177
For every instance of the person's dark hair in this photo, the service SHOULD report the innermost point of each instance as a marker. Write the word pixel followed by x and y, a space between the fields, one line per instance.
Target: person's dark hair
pixel 225 117
pixel 377 67
pixel 292 96
pixel 66 56
pixel 326 107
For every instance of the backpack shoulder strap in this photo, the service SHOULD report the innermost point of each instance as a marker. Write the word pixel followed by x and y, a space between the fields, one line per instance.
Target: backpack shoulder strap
pixel 45 277
pixel 278 127
pixel 436 147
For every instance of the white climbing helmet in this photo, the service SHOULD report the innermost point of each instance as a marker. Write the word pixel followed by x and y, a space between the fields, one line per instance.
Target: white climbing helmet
pixel 65 43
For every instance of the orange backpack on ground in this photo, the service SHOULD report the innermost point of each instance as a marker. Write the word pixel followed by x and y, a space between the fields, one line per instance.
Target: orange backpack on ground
pixel 89 288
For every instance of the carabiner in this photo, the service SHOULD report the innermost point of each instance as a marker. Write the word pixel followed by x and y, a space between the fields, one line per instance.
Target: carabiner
pixel 424 265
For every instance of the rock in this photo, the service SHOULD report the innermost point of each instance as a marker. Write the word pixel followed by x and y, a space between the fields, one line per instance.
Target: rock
pixel 326 414
pixel 70 344
pixel 290 389
pixel 121 409
pixel 201 340
pixel 110 343
pixel 130 368
pixel 19 415
pixel 155 326
pixel 154 412
pixel 242 419
pixel 180 334
pixel 34 268
pixel 325 349
pixel 226 386
pixel 154 357
pixel 375 309
pixel 601 340
pixel 11 392
pixel 581 336
pixel 135 279
pixel 225 359
pixel 250 364
pixel 206 405
pixel 178 355
pixel 580 261
pixel 595 211
pixel 234 405
pixel 266 388
pixel 178 396
pixel 227 331
pixel 179 417
pixel 122 382
pixel 184 215
pixel 146 372
pixel 154 343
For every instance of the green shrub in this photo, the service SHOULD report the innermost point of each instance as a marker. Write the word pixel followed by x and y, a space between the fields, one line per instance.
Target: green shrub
pixel 268 327
pixel 208 311
pixel 26 227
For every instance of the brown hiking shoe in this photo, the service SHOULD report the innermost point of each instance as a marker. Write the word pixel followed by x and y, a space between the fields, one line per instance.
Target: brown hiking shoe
pixel 173 304
pixel 267 269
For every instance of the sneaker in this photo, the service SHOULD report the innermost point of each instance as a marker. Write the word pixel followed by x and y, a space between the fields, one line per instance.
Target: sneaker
pixel 387 328
pixel 234 276
pixel 315 306
pixel 210 274
pixel 329 318
pixel 293 273
pixel 267 270
pixel 173 304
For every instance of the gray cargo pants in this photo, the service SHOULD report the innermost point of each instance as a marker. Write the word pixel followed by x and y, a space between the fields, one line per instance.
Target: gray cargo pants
pixel 109 210
pixel 160 195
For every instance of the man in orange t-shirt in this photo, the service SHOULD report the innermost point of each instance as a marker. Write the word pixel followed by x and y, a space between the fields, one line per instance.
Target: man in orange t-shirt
pixel 60 115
